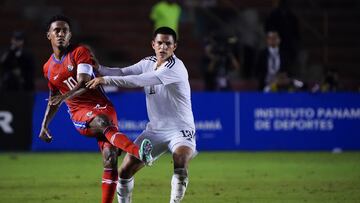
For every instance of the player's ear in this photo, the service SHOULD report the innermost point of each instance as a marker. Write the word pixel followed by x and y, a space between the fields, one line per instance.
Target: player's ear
pixel 175 46
pixel 153 44
pixel 48 35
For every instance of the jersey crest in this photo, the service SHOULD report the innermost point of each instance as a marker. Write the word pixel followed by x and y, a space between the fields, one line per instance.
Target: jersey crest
pixel 70 68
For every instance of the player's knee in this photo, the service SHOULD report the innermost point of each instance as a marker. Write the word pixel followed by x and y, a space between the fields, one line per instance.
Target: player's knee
pixel 180 160
pixel 102 121
pixel 110 157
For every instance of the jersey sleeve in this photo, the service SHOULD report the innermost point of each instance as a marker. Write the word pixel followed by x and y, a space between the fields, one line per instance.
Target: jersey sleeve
pixel 135 69
pixel 45 71
pixel 142 80
pixel 83 55
pixel 46 75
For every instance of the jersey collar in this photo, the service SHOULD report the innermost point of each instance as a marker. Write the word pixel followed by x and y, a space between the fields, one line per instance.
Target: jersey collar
pixel 56 60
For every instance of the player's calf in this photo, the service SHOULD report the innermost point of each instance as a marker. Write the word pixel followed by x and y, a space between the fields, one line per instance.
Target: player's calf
pixel 179 183
pixel 124 190
pixel 110 174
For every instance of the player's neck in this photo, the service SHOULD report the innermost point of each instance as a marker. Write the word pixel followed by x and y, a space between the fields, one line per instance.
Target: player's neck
pixel 160 61
pixel 158 64
pixel 59 53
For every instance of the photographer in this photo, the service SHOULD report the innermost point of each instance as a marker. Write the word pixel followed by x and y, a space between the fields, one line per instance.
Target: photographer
pixel 17 66
pixel 220 58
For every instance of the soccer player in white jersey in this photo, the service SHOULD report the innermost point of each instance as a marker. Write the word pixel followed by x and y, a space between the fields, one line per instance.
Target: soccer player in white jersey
pixel 171 122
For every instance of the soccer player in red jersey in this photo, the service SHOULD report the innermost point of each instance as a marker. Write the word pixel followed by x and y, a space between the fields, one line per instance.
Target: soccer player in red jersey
pixel 67 71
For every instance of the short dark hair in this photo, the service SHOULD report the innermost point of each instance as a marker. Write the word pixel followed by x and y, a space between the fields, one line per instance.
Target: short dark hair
pixel 165 31
pixel 58 17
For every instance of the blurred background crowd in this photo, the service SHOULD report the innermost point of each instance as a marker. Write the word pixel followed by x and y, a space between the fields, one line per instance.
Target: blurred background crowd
pixel 247 45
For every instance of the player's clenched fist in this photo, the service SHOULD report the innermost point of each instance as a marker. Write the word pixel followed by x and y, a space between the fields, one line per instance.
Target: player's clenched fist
pixel 45 135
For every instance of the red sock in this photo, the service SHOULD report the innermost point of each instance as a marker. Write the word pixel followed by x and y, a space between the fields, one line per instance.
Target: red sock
pixel 109 181
pixel 121 141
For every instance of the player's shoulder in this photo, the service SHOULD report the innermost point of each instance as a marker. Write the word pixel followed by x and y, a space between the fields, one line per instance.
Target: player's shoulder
pixel 174 62
pixel 46 66
pixel 151 59
pixel 79 48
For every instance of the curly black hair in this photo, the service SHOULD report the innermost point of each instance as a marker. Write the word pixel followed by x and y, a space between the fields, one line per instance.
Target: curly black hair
pixel 58 17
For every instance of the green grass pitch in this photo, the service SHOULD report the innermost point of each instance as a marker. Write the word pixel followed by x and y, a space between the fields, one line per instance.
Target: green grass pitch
pixel 217 177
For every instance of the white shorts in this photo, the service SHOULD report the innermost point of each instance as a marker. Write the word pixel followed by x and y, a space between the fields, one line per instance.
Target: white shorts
pixel 169 141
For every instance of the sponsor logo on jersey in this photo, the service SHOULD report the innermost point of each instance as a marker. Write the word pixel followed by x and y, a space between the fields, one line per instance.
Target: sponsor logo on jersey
pixel 70 67
pixel 152 90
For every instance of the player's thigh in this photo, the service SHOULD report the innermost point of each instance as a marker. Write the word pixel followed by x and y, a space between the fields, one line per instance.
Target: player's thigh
pixel 91 120
pixel 102 119
pixel 182 147
pixel 182 139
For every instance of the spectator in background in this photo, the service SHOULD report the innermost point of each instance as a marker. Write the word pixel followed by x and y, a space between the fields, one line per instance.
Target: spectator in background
pixel 221 57
pixel 285 22
pixel 166 13
pixel 17 66
pixel 283 83
pixel 329 83
pixel 271 61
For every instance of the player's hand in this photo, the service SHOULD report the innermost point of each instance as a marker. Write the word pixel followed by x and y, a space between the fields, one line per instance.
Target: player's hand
pixel 56 100
pixel 92 84
pixel 45 135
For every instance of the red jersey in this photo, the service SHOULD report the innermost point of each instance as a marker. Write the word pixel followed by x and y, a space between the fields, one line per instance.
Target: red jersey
pixel 61 75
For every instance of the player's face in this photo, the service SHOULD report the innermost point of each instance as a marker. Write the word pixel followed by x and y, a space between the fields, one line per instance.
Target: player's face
pixel 59 34
pixel 164 46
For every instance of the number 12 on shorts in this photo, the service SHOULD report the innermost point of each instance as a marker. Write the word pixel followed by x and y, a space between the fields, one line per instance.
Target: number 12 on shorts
pixel 188 133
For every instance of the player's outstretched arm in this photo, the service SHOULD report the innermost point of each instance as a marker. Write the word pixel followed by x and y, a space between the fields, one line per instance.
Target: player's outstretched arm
pixel 50 112
pixel 130 81
pixel 135 69
pixel 104 70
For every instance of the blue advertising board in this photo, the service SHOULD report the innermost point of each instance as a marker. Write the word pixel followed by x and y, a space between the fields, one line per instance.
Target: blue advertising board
pixel 231 121
pixel 299 121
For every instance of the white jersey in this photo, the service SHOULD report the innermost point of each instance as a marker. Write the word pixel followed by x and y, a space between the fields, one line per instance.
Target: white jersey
pixel 167 89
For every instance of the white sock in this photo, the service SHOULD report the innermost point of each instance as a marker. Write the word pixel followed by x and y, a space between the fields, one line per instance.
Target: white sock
pixel 179 182
pixel 124 190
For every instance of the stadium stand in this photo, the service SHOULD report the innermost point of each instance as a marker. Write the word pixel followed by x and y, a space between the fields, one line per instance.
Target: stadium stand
pixel 118 32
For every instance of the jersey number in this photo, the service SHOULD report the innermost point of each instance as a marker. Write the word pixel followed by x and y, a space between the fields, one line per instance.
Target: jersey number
pixel 188 133
pixel 70 82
